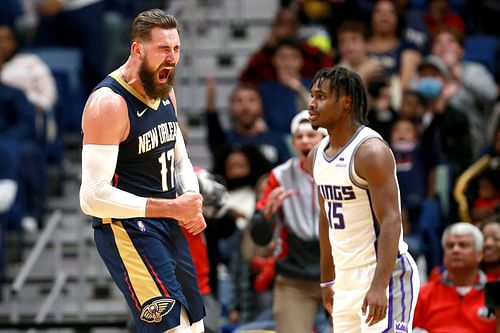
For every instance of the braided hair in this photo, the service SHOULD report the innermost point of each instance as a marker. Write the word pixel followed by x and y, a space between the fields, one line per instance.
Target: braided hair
pixel 345 81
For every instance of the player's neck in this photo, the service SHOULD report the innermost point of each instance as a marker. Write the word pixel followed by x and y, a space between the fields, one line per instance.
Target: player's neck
pixel 130 74
pixel 342 134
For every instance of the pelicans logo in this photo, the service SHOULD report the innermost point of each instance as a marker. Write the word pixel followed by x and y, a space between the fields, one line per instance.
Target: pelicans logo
pixel 154 311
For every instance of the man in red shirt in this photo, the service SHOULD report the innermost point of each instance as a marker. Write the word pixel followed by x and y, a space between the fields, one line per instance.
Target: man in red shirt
pixel 456 301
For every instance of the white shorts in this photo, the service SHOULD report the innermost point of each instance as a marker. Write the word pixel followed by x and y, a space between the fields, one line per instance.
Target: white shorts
pixel 350 289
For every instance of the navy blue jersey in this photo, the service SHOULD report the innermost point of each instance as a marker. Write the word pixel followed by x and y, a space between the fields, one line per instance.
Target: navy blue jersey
pixel 145 165
pixel 148 258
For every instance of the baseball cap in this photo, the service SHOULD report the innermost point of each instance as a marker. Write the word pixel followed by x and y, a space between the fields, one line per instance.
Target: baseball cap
pixel 299 119
pixel 435 62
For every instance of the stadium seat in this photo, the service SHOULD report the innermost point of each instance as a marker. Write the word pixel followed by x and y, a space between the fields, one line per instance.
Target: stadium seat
pixel 484 49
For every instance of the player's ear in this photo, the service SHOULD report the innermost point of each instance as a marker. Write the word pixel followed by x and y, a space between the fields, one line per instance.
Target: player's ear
pixel 137 50
pixel 347 102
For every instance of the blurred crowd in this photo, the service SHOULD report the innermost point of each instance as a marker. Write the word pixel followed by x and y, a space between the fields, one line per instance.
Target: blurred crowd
pixel 432 71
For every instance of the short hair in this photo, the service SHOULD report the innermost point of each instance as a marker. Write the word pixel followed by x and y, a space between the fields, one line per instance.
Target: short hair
pixel 149 19
pixel 353 26
pixel 457 35
pixel 416 93
pixel 463 229
pixel 244 86
pixel 348 82
pixel 293 43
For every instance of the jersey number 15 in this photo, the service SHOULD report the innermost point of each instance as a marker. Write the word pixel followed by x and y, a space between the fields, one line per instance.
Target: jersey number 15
pixel 335 216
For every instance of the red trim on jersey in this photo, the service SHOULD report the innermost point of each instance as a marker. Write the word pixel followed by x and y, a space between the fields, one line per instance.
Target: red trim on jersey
pixel 132 293
pixel 164 290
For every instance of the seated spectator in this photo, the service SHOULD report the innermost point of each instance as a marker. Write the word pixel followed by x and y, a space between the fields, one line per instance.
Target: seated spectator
pixel 326 14
pixel 26 71
pixel 29 73
pixel 487 204
pixel 238 167
pixel 17 127
pixel 398 56
pixel 352 38
pixel 72 23
pixel 465 191
pixel 288 94
pixel 8 191
pixel 477 90
pixel 491 252
pixel 415 170
pixel 455 302
pixel 247 124
pixel 260 67
pixel 439 15
pixel 252 277
pixel 413 108
pixel 381 114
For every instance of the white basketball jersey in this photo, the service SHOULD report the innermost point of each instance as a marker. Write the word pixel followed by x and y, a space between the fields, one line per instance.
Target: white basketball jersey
pixel 353 226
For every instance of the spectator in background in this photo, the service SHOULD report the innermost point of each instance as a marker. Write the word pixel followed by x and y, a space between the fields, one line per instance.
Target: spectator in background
pixel 260 67
pixel 290 202
pixel 352 46
pixel 17 130
pixel 491 251
pixel 465 191
pixel 455 302
pixel 252 277
pixel 72 23
pixel 476 89
pixel 416 177
pixel 288 94
pixel 412 108
pixel 8 191
pixel 238 167
pixel 381 115
pixel 326 14
pixel 28 72
pixel 487 204
pixel 398 56
pixel 247 124
pixel 439 15
pixel 450 123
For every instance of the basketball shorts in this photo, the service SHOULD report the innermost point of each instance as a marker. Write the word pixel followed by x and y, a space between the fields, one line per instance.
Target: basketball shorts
pixel 350 289
pixel 150 262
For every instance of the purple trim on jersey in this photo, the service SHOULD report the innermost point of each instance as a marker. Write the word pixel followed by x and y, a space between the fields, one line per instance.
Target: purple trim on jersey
pixel 401 281
pixel 352 169
pixel 376 228
pixel 327 158
pixel 389 315
pixel 411 288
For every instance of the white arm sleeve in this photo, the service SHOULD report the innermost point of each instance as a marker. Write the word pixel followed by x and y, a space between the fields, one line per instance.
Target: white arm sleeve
pixel 186 177
pixel 97 196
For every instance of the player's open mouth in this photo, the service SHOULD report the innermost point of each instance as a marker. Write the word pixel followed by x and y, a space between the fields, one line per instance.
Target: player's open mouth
pixel 164 73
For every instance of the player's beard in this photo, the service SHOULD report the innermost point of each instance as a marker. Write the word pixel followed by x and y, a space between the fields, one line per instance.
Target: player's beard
pixel 148 79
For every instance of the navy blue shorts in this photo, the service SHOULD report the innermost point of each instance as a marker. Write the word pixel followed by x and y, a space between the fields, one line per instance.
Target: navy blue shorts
pixel 149 260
